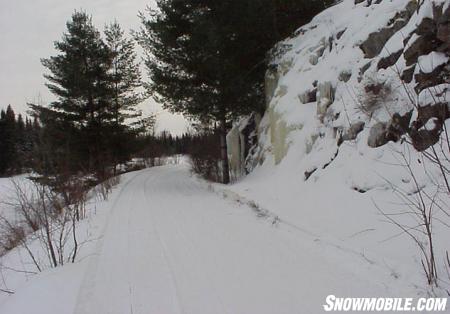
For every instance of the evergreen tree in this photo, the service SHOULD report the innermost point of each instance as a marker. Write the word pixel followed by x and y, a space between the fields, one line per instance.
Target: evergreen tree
pixel 125 79
pixel 79 78
pixel 9 138
pixel 125 74
pixel 207 59
pixel 3 155
pixel 16 142
pixel 88 128
pixel 20 145
pixel 291 14
pixel 28 143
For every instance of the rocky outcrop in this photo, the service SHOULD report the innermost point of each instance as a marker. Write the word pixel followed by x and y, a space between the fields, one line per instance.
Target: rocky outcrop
pixel 242 142
pixel 376 41
pixel 279 131
pixel 382 133
pixel 325 97
pixel 360 71
pixel 308 96
pixel 390 60
pixel 352 133
pixel 425 131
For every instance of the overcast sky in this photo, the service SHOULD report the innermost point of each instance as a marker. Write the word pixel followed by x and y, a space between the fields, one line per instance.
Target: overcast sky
pixel 28 29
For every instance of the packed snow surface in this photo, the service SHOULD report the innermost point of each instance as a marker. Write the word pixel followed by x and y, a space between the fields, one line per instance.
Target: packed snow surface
pixel 170 243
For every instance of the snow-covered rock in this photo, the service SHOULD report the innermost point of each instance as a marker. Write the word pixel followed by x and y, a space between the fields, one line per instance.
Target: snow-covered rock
pixel 350 66
pixel 359 67
pixel 242 141
pixel 344 96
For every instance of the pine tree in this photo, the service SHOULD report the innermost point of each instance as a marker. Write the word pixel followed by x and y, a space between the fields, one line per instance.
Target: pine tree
pixel 291 14
pixel 8 141
pixel 207 59
pixel 28 144
pixel 3 140
pixel 125 74
pixel 20 145
pixel 90 125
pixel 125 80
pixel 79 78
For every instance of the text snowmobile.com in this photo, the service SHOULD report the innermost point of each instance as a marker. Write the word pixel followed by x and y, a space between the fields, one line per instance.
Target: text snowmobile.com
pixel 335 304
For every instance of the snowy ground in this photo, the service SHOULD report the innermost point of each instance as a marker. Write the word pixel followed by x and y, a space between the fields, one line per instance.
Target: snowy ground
pixel 170 243
pixel 167 243
pixel 7 193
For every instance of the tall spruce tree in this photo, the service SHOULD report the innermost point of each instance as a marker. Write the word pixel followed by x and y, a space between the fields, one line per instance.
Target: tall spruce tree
pixel 125 75
pixel 8 146
pixel 207 59
pixel 291 14
pixel 125 80
pixel 96 82
pixel 20 144
pixel 79 78
pixel 3 141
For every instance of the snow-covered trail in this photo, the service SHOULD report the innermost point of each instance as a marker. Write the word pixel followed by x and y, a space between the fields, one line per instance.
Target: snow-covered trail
pixel 171 246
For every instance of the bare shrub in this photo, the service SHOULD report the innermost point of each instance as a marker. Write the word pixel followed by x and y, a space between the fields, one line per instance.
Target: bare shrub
pixel 447 267
pixel 425 140
pixel 420 209
pixel 11 236
pixel 376 95
pixel 106 186
pixel 159 161
pixel 46 216
pixel 206 156
pixel 73 191
pixel 427 205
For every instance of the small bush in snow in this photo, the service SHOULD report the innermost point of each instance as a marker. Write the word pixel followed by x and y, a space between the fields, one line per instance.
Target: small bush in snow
pixel 376 95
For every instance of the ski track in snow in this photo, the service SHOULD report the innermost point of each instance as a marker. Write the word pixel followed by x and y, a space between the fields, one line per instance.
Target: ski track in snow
pixel 171 246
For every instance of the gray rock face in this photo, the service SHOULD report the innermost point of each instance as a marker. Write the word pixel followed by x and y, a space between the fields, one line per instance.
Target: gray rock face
pixel 433 35
pixel 439 75
pixel 421 46
pixel 377 135
pixel 353 131
pixel 390 60
pixel 308 97
pixel 443 29
pixel 375 43
pixel 423 137
pixel 422 36
pixel 345 76
pixel 242 141
pixel 271 83
pixel 382 133
pixel 325 97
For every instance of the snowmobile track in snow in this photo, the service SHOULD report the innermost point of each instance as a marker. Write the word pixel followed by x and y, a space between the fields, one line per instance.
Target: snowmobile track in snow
pixel 172 246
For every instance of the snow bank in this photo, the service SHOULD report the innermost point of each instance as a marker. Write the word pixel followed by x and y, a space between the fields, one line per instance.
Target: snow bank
pixel 52 290
pixel 342 93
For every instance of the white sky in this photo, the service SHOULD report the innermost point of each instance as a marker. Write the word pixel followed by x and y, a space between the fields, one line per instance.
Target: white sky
pixel 28 29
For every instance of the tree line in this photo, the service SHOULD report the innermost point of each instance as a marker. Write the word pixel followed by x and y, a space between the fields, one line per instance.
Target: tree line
pixel 17 142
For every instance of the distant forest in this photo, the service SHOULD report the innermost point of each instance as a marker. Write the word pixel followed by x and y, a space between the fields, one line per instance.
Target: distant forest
pixel 18 137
